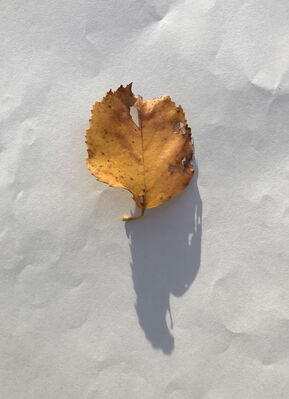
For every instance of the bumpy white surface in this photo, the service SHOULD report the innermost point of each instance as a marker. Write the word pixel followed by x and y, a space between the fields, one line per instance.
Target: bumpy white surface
pixel 216 257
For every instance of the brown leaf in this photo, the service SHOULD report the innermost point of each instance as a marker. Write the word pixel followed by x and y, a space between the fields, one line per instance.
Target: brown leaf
pixel 151 161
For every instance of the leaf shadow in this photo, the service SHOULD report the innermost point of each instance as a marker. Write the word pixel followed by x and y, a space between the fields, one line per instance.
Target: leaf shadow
pixel 166 252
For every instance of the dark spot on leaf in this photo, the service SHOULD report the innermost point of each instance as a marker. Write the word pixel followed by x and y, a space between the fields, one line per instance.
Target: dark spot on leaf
pixel 171 168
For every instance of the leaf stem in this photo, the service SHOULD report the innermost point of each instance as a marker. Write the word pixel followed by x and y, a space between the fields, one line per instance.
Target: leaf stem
pixel 126 218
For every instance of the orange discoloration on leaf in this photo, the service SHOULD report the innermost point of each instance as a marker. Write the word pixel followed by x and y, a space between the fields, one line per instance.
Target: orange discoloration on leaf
pixel 151 161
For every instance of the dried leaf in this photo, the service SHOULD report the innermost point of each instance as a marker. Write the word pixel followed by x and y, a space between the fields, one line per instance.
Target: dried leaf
pixel 152 160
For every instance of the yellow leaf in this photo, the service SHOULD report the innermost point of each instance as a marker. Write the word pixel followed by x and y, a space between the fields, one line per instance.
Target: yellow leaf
pixel 151 160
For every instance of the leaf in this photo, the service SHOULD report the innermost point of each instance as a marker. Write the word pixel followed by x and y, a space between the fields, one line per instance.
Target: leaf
pixel 152 161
